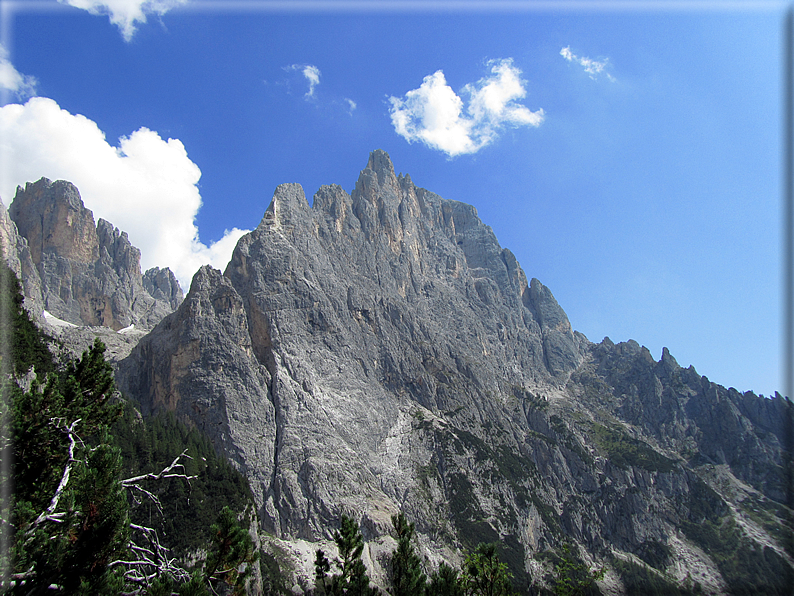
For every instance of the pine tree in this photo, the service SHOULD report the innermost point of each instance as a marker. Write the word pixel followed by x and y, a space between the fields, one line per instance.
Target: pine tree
pixel 322 567
pixel 352 579
pixel 232 548
pixel 407 576
pixel 70 530
pixel 24 344
pixel 71 516
pixel 572 577
pixel 485 575
pixel 445 582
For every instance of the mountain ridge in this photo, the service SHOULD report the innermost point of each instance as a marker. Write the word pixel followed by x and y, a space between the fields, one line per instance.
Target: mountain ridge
pixel 85 274
pixel 379 351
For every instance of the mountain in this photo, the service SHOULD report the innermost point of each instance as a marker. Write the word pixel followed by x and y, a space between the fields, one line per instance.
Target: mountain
pixel 379 351
pixel 79 274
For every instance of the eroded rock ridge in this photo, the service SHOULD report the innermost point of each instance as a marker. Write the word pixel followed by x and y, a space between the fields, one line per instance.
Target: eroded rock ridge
pixel 84 273
pixel 380 351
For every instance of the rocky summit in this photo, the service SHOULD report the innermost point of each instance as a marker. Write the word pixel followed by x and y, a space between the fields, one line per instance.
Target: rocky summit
pixel 379 351
pixel 78 274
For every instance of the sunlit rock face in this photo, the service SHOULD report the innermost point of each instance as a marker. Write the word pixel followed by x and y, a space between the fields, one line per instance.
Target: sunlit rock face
pixel 379 351
pixel 87 273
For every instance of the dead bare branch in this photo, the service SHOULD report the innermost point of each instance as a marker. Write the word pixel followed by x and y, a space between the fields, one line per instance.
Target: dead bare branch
pixel 164 473
pixel 49 513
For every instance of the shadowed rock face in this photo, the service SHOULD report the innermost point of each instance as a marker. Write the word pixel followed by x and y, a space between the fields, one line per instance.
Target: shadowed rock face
pixel 379 351
pixel 87 274
pixel 15 251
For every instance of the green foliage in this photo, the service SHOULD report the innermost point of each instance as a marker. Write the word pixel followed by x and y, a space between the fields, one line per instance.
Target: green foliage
pixel 639 580
pixel 352 579
pixel 407 576
pixel 273 580
pixel 484 574
pixel 70 514
pixel 83 391
pixel 322 567
pixel 445 582
pixel 506 471
pixel 26 343
pixel 232 548
pixel 776 518
pixel 151 444
pixel 572 577
pixel 747 567
pixel 69 529
pixel 702 502
pixel 166 586
pixel 625 451
pixel 656 554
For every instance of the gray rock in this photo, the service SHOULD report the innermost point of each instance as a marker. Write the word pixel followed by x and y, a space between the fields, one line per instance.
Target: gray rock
pixel 85 274
pixel 163 285
pixel 380 351
pixel 16 254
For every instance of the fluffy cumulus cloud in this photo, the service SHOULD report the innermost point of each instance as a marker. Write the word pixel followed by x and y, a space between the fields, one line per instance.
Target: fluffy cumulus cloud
pixel 145 186
pixel 436 116
pixel 592 67
pixel 22 86
pixel 125 14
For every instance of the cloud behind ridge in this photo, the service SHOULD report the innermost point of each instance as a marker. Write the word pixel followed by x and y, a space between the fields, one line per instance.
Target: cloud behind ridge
pixel 145 186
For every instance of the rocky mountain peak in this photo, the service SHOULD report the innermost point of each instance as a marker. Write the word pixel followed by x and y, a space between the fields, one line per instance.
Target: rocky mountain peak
pixel 161 284
pixel 381 352
pixel 52 217
pixel 380 163
pixel 288 209
pixel 377 198
pixel 82 272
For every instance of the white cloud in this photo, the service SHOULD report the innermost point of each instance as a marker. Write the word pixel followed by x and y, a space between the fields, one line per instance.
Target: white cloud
pixel 312 74
pixel 351 105
pixel 126 14
pixel 145 186
pixel 591 67
pixel 434 114
pixel 23 86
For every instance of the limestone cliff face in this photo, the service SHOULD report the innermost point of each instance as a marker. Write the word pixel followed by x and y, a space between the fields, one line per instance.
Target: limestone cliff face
pixel 87 273
pixel 379 351
pixel 16 253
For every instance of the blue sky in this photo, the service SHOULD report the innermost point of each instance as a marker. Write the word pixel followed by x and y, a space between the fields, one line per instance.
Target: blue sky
pixel 629 155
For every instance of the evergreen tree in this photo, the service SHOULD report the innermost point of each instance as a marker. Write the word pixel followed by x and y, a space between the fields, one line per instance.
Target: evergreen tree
pixel 70 514
pixel 23 343
pixel 149 445
pixel 572 577
pixel 100 533
pixel 67 522
pixel 445 582
pixel 352 579
pixel 407 576
pixel 232 548
pixel 485 575
pixel 322 567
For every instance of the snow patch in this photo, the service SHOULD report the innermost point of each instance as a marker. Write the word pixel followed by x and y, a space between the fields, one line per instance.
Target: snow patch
pixel 55 321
